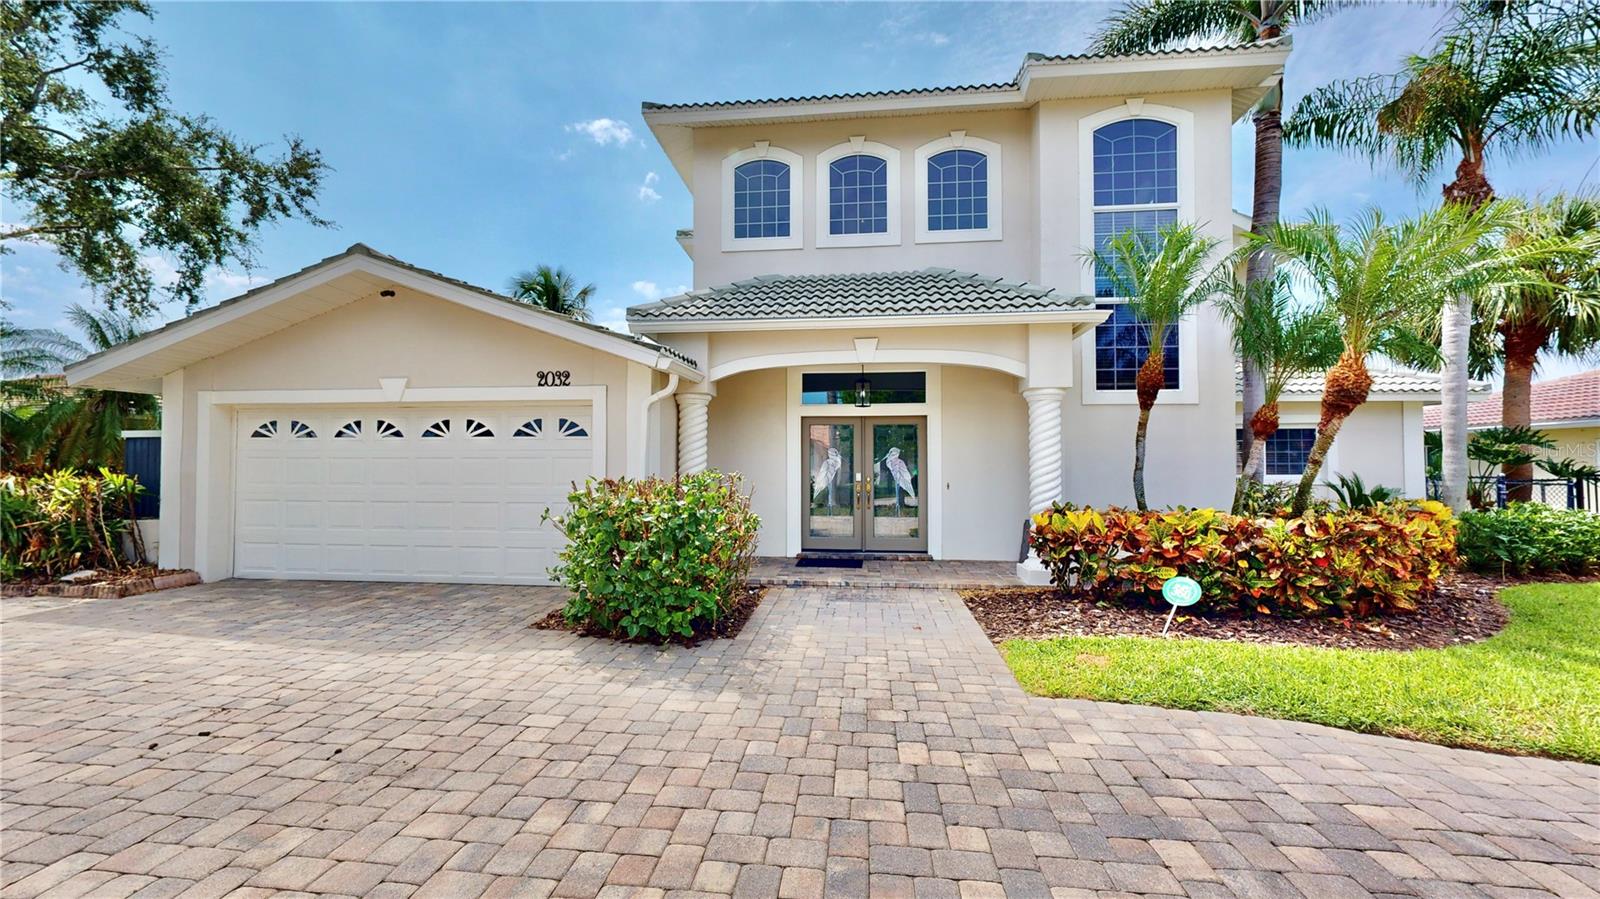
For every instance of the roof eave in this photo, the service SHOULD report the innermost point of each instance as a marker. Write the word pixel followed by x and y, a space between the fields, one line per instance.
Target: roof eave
pixel 1085 316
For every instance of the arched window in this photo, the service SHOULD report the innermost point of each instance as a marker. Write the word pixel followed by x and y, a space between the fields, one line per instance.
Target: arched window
pixel 761 199
pixel 761 190
pixel 958 191
pixel 858 195
pixel 1135 189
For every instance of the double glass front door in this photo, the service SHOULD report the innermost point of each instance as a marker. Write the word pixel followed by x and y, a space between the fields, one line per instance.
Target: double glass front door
pixel 863 484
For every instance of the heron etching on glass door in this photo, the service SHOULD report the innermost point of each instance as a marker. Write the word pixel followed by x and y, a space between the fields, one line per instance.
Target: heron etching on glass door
pixel 826 475
pixel 901 475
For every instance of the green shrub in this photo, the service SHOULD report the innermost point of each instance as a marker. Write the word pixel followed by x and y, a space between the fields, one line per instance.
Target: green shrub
pixel 655 557
pixel 1347 562
pixel 57 523
pixel 1530 538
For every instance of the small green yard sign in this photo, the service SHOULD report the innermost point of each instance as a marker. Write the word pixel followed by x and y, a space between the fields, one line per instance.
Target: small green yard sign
pixel 1179 591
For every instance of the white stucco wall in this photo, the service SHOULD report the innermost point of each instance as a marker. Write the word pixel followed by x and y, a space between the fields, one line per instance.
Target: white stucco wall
pixel 985 464
pixel 1381 441
pixel 429 341
pixel 746 433
pixel 1012 257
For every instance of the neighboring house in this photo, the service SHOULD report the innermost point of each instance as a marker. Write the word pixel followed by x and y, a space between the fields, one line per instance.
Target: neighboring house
pixel 1567 409
pixel 892 337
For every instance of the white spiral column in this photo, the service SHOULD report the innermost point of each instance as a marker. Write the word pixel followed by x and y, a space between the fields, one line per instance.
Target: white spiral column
pixel 1044 446
pixel 692 422
pixel 1044 466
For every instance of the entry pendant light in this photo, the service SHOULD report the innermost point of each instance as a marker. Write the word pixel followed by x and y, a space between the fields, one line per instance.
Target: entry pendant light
pixel 863 391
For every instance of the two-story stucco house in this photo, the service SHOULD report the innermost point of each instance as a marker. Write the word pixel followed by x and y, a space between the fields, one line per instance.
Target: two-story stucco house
pixel 892 336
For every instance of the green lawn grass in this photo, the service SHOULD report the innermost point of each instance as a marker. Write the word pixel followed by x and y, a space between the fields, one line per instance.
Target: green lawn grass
pixel 1534 688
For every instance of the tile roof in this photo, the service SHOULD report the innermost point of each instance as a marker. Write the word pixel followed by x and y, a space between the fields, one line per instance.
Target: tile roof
pixel 992 87
pixel 1572 398
pixel 931 291
pixel 361 249
pixel 1384 381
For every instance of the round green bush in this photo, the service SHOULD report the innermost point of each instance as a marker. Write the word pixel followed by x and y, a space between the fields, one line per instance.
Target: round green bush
pixel 654 557
pixel 1530 538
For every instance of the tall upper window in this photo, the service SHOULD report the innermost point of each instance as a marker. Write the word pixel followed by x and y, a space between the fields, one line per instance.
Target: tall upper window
pixel 958 191
pixel 858 195
pixel 761 208
pixel 1135 189
pixel 761 199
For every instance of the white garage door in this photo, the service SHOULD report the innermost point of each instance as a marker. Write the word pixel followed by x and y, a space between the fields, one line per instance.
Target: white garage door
pixel 449 494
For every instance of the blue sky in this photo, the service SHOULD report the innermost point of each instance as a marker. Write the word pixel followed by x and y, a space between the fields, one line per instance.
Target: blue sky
pixel 478 139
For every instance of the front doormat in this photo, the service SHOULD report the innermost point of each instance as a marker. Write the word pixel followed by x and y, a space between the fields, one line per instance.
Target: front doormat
pixel 827 563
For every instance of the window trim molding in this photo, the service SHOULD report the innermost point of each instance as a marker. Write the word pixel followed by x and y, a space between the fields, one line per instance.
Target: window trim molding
pixel 959 140
pixel 852 147
pixel 1187 393
pixel 797 186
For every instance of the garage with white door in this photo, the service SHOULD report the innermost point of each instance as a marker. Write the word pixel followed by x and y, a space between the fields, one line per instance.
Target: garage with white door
pixel 386 493
pixel 364 419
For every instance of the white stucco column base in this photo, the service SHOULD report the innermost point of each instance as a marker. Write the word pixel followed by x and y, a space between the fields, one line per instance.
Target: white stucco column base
pixel 1033 573
pixel 1044 465
pixel 692 424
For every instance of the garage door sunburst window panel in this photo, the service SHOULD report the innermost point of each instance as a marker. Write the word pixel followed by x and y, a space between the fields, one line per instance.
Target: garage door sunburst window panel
pixel 566 427
pixel 266 429
pixel 440 428
pixel 301 430
pixel 533 427
pixel 476 428
pixel 348 430
pixel 388 429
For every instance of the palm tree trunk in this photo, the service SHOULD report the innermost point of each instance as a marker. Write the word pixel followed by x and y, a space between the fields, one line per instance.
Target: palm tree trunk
pixel 1263 215
pixel 1319 452
pixel 1254 470
pixel 1138 458
pixel 1455 328
pixel 1260 427
pixel 1470 188
pixel 1523 340
pixel 1343 390
pixel 1147 386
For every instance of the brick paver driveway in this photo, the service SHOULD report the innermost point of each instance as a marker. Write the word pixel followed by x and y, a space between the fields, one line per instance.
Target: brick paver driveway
pixel 392 741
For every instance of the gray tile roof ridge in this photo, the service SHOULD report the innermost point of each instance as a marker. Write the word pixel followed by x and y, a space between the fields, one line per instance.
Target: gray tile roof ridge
pixel 760 295
pixel 989 87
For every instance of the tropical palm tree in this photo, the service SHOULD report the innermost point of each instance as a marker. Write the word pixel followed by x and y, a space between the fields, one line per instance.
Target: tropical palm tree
pixel 552 288
pixel 1141 26
pixel 1285 339
pixel 1382 282
pixel 1508 77
pixel 1561 316
pixel 49 425
pixel 1163 277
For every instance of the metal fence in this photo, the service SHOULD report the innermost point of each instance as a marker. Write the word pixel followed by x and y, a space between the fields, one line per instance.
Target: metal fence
pixel 1558 493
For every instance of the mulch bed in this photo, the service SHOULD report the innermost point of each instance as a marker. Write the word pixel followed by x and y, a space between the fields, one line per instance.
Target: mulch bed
pixel 1463 610
pixel 725 628
pixel 105 584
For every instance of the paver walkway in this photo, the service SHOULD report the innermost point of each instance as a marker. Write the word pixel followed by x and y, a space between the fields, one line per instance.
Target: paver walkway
pixel 391 741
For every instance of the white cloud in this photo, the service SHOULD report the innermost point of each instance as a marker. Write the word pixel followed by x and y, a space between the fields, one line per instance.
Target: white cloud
pixel 613 317
pixel 604 131
pixel 647 191
pixel 652 291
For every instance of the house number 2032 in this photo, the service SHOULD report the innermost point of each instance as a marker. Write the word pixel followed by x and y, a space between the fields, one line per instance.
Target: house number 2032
pixel 555 379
